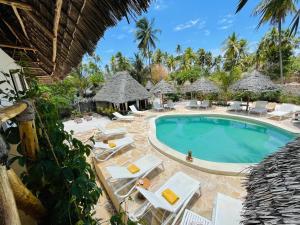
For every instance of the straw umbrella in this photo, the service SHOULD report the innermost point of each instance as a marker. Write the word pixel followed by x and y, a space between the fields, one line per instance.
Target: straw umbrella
pixel 163 87
pixel 121 89
pixel 149 85
pixel 254 83
pixel 273 189
pixel 202 85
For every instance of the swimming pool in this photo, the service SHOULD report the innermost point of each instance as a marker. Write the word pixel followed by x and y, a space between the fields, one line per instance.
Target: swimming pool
pixel 220 138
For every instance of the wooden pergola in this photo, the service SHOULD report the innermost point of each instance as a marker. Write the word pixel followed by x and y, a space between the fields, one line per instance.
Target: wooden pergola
pixel 49 37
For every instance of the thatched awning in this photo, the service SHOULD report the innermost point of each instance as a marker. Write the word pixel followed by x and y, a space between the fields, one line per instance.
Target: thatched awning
pixel 163 87
pixel 149 85
pixel 273 189
pixel 202 85
pixel 121 88
pixel 255 82
pixel 52 36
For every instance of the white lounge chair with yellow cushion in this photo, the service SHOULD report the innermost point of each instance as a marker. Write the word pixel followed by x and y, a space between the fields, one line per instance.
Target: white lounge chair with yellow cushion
pixel 182 187
pixel 101 149
pixel 135 111
pixel 131 173
pixel 120 117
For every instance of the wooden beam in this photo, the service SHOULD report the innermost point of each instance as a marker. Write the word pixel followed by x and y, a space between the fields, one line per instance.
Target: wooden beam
pixel 8 209
pixel 17 4
pixel 9 112
pixel 20 20
pixel 57 10
pixel 40 25
pixel 12 31
pixel 17 47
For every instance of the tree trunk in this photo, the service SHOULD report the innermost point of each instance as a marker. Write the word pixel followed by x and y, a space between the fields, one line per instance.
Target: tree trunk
pixel 280 53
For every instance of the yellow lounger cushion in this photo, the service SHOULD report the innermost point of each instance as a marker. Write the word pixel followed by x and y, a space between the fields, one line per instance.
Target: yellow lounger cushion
pixel 112 145
pixel 133 168
pixel 170 196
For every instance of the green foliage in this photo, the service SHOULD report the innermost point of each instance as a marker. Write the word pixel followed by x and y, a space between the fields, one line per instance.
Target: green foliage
pixel 289 99
pixel 186 75
pixel 225 79
pixel 60 176
pixel 106 111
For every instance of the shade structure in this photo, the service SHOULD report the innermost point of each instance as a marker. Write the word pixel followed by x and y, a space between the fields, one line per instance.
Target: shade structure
pixel 149 85
pixel 254 82
pixel 163 87
pixel 121 88
pixel 202 85
pixel 273 189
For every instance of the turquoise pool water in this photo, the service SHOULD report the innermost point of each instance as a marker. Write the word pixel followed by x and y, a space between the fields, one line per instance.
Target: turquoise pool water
pixel 221 139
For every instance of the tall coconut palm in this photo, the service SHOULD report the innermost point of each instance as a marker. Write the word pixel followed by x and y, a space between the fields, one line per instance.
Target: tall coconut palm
pixel 171 63
pixel 188 58
pixel 275 12
pixel 158 57
pixel 200 57
pixel 146 36
pixel 231 49
pixel 178 49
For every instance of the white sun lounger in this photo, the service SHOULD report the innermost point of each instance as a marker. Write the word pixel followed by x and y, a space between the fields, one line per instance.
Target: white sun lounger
pixel 204 104
pixel 170 105
pixel 100 149
pixel 190 217
pixel 111 132
pixel 260 108
pixel 235 106
pixel 192 104
pixel 183 185
pixel 120 117
pixel 135 111
pixel 283 110
pixel 227 211
pixel 157 106
pixel 146 164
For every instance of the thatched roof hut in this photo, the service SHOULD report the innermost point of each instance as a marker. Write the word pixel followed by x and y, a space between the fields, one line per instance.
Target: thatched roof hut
pixel 202 85
pixel 254 82
pixel 149 85
pixel 273 189
pixel 121 88
pixel 54 35
pixel 163 87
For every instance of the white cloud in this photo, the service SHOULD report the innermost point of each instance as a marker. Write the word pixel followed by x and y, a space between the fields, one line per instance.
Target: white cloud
pixel 160 5
pixel 121 36
pixel 206 32
pixel 190 24
pixel 226 22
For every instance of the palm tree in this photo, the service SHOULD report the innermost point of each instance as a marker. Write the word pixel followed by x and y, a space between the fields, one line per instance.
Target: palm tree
pixel 275 12
pixel 158 57
pixel 146 36
pixel 188 58
pixel 171 63
pixel 138 69
pixel 231 48
pixel 200 57
pixel 178 49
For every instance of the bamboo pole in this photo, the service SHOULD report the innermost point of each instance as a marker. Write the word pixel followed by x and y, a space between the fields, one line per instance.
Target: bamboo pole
pixel 20 20
pixel 17 47
pixel 25 200
pixel 17 4
pixel 8 210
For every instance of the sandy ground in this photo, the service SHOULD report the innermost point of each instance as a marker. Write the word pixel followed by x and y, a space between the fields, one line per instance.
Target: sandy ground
pixel 211 184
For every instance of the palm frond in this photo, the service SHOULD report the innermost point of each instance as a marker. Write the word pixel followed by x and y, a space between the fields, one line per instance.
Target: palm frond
pixel 241 5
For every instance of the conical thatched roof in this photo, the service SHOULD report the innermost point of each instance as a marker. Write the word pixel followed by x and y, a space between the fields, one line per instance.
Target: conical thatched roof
pixel 202 85
pixel 121 88
pixel 163 87
pixel 254 82
pixel 149 85
pixel 273 189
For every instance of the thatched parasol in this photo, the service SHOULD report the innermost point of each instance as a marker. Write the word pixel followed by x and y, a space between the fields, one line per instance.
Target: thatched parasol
pixel 273 189
pixel 202 85
pixel 121 88
pixel 254 82
pixel 163 87
pixel 149 85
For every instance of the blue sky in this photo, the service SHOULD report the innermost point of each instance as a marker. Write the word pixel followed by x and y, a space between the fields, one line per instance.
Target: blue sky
pixel 190 23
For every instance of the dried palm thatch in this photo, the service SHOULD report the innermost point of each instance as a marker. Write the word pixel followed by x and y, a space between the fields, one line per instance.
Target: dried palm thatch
pixel 121 88
pixel 163 87
pixel 54 35
pixel 254 82
pixel 202 85
pixel 291 89
pixel 149 85
pixel 273 189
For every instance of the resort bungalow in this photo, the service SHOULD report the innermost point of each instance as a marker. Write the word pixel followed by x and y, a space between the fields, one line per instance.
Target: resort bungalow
pixel 120 91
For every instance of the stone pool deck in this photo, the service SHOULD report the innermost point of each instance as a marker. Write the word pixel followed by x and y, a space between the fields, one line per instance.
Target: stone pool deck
pixel 211 184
